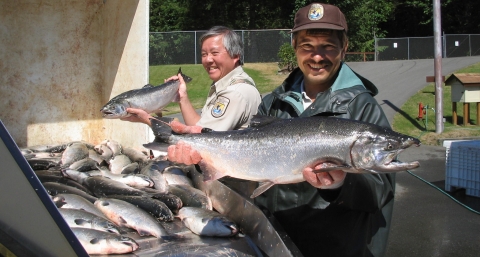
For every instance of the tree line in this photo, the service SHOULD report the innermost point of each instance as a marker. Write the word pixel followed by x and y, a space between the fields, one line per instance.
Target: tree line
pixel 366 19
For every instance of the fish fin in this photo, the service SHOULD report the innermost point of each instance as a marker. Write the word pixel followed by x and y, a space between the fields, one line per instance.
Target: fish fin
pixel 262 120
pixel 264 186
pixel 185 77
pixel 148 86
pixel 94 241
pixel 158 146
pixel 142 232
pixel 80 222
pixel 161 129
pixel 327 167
pixel 209 173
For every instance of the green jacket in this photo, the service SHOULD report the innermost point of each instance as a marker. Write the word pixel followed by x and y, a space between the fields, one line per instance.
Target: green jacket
pixel 353 220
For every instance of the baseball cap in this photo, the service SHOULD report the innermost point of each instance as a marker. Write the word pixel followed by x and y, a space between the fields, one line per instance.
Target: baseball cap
pixel 319 16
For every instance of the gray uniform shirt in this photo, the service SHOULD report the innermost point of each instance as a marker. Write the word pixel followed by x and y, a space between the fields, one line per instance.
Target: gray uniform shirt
pixel 231 102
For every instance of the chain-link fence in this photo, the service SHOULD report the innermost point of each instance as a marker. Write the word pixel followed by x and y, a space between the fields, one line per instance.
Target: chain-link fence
pixel 409 48
pixel 183 47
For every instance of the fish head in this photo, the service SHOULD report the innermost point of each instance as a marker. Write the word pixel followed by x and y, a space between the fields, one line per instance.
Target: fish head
pixel 374 153
pixel 219 226
pixel 114 111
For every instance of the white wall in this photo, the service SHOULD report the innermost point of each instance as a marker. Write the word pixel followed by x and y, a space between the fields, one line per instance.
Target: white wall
pixel 62 60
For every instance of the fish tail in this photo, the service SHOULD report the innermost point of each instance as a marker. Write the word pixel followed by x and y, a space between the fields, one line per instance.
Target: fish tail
pixel 162 131
pixel 185 77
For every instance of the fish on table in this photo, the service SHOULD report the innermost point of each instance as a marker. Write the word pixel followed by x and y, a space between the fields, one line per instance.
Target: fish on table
pixel 276 151
pixel 125 214
pixel 205 222
pixel 101 242
pixel 149 98
pixel 76 218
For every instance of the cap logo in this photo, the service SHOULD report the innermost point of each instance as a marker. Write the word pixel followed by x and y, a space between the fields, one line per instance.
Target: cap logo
pixel 316 12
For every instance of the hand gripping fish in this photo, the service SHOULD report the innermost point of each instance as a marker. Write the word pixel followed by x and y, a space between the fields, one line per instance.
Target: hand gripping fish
pixel 276 151
pixel 151 99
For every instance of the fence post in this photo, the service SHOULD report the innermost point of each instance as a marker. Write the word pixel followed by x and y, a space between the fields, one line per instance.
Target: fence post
pixel 195 46
pixel 375 46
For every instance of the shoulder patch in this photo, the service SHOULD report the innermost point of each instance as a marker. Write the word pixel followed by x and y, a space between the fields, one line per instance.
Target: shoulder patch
pixel 220 106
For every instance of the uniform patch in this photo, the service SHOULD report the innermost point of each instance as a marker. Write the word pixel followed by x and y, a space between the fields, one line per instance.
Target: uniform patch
pixel 316 12
pixel 220 106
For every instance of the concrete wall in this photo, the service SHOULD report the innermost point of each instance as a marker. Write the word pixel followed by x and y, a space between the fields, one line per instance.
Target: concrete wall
pixel 62 60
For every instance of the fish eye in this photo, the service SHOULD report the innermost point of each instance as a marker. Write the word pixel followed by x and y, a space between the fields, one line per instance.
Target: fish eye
pixel 389 147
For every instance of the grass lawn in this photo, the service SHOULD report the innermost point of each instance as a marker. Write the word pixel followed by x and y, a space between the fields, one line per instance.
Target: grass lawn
pixel 425 129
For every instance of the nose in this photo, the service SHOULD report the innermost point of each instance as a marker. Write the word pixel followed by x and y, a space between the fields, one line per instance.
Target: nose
pixel 318 54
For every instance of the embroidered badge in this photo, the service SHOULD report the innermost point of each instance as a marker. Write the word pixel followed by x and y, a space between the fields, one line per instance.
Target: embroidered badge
pixel 316 12
pixel 220 106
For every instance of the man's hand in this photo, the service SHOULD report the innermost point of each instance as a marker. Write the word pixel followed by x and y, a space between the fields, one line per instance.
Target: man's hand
pixel 181 152
pixel 182 88
pixel 138 115
pixel 324 180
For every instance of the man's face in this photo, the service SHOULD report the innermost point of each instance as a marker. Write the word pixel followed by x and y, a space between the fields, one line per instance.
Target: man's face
pixel 215 58
pixel 319 56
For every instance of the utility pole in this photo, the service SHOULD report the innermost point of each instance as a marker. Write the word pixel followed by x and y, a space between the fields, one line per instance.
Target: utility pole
pixel 437 28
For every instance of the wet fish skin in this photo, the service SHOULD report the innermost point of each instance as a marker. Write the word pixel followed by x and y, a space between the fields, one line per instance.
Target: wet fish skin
pixel 176 175
pixel 173 202
pixel 153 206
pixel 191 196
pixel 102 186
pixel 72 201
pixel 76 218
pixel 100 242
pixel 73 153
pixel 125 214
pixel 275 151
pixel 151 99
pixel 154 170
pixel 54 188
pixel 205 222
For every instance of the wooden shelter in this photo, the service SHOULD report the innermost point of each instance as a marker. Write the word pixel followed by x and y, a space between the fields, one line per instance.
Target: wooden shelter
pixel 466 90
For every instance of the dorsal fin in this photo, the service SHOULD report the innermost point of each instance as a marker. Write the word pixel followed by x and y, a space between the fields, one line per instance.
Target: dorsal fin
pixel 262 120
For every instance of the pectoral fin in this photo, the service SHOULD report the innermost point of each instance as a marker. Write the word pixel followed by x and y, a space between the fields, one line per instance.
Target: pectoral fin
pixel 264 186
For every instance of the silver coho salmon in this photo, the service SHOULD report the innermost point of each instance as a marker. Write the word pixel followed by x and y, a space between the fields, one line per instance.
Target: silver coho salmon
pixel 101 242
pixel 276 151
pixel 83 219
pixel 205 222
pixel 151 99
pixel 125 214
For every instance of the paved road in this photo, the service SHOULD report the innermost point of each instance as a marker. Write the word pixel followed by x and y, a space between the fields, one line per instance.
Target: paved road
pixel 397 81
pixel 425 221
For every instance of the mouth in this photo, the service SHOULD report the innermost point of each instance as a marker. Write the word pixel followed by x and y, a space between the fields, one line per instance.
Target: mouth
pixel 317 66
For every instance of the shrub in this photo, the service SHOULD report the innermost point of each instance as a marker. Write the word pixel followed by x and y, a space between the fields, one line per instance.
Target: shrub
pixel 288 61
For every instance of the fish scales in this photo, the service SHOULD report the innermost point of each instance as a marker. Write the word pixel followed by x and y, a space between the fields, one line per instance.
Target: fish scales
pixel 276 151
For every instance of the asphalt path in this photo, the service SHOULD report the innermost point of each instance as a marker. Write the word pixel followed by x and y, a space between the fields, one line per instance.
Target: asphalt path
pixel 397 81
pixel 425 221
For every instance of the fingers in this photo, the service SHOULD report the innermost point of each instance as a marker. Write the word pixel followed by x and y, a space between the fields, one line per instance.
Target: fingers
pixel 183 153
pixel 181 128
pixel 324 180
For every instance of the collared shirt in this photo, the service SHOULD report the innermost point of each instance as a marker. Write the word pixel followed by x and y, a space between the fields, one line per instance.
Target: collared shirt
pixel 231 102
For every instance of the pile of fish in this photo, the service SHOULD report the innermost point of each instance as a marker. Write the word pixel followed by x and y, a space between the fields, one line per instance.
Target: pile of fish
pixel 105 192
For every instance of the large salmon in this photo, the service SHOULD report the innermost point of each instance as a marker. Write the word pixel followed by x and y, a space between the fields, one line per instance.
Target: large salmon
pixel 275 151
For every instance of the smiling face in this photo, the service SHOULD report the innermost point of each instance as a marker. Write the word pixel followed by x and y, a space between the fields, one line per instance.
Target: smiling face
pixel 215 58
pixel 319 55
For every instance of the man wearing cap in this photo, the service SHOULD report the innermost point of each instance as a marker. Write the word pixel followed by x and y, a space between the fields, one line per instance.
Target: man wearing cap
pixel 331 213
pixel 334 213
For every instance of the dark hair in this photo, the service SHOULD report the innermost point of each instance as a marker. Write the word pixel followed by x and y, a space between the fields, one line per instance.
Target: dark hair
pixel 231 40
pixel 341 34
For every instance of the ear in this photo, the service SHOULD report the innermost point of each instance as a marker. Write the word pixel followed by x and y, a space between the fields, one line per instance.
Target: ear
pixel 345 50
